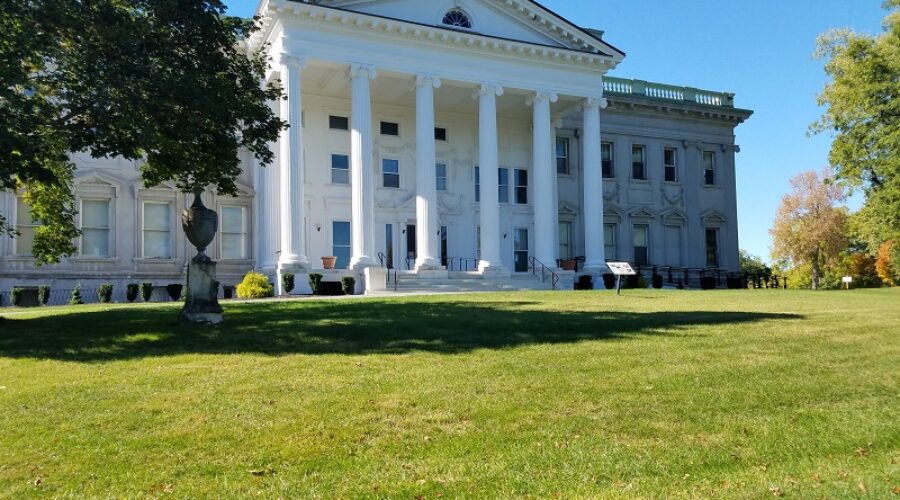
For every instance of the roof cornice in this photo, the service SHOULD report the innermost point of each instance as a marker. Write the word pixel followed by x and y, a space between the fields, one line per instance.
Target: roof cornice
pixel 424 32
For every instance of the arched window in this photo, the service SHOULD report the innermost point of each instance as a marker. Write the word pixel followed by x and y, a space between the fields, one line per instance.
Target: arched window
pixel 457 19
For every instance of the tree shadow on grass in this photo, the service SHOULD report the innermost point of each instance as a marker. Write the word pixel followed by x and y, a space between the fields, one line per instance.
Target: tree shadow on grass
pixel 337 327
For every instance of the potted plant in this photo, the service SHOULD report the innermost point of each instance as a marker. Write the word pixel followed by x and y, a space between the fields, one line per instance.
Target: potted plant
pixel 329 262
pixel 567 264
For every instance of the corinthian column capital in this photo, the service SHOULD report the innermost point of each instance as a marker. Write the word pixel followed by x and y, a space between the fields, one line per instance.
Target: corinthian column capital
pixel 541 96
pixel 295 61
pixel 487 89
pixel 425 80
pixel 363 70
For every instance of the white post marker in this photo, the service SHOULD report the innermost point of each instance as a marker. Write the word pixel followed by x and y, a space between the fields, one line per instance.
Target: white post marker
pixel 620 269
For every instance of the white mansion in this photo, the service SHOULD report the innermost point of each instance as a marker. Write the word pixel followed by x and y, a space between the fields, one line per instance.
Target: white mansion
pixel 431 136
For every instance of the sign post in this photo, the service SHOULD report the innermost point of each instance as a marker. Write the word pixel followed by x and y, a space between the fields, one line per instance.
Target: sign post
pixel 620 269
pixel 847 280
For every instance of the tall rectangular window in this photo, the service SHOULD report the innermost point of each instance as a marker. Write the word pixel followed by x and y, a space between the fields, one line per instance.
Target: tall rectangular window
pixel 390 172
pixel 503 184
pixel 520 250
pixel 340 243
pixel 477 184
pixel 609 241
pixel 340 169
pixel 95 228
pixel 638 167
pixel 440 176
pixel 565 240
pixel 562 155
pixel 669 165
pixel 25 226
pixel 712 247
pixel 478 242
pixel 389 245
pixel 606 160
pixel 411 251
pixel 641 238
pixel 709 168
pixel 157 231
pixel 338 122
pixel 234 233
pixel 521 186
pixel 444 246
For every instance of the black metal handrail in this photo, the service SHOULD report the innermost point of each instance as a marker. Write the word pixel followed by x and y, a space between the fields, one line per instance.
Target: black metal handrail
pixel 461 264
pixel 554 278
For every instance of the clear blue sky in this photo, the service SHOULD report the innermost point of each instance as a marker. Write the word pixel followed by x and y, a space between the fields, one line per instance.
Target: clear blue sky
pixel 759 49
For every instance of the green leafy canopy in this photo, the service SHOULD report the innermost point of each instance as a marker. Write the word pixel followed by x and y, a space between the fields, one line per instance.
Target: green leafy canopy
pixel 862 110
pixel 166 82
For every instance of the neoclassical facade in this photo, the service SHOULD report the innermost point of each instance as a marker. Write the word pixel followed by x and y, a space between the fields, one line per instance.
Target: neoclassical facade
pixel 434 137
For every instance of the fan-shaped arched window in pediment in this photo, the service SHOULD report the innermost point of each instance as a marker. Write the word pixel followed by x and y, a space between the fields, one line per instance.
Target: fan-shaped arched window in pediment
pixel 457 19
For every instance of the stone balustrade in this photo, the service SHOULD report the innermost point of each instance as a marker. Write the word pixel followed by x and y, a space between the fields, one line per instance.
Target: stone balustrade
pixel 619 86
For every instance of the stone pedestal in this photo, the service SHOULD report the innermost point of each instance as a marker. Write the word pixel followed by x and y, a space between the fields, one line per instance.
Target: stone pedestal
pixel 202 304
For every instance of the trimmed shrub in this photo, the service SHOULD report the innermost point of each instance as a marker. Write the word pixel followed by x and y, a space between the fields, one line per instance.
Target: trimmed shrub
pixel 132 291
pixel 16 296
pixel 43 295
pixel 585 282
pixel 609 281
pixel 709 282
pixel 287 283
pixel 315 283
pixel 657 281
pixel 348 284
pixel 174 291
pixel 75 300
pixel 228 292
pixel 641 281
pixel 255 286
pixel 146 291
pixel 104 293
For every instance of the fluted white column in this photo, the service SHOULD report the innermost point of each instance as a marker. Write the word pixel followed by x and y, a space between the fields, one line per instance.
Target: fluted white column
pixel 488 164
pixel 291 200
pixel 595 261
pixel 427 227
pixel 544 210
pixel 362 222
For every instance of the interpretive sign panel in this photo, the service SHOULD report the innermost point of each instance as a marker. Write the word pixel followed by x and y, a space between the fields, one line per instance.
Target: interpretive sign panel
pixel 621 268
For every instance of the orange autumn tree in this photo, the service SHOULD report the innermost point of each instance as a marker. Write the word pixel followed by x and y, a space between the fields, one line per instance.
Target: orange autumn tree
pixel 883 264
pixel 810 226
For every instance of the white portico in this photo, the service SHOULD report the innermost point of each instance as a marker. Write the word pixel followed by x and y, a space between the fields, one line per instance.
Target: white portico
pixel 326 55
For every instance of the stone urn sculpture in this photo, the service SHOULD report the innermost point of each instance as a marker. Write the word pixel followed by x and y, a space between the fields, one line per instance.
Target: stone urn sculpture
pixel 200 225
pixel 202 305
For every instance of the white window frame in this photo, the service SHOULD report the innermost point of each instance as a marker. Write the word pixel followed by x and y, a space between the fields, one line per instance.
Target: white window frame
pixel 32 226
pixel 517 186
pixel 643 149
pixel 566 157
pixel 712 167
pixel 503 188
pixel 612 159
pixel 171 205
pixel 332 169
pixel 673 166
pixel 614 255
pixel 108 228
pixel 244 232
pixel 437 178
pixel 385 173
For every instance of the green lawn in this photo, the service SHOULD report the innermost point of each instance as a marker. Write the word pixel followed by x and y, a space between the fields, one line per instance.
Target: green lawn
pixel 653 394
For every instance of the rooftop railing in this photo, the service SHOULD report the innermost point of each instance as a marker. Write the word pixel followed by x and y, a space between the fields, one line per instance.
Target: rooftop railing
pixel 620 86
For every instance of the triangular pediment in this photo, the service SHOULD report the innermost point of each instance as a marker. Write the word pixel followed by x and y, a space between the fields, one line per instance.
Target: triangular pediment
pixel 641 213
pixel 713 218
pixel 519 20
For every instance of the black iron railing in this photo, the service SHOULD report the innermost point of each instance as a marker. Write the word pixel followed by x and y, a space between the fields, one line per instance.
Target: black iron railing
pixel 546 272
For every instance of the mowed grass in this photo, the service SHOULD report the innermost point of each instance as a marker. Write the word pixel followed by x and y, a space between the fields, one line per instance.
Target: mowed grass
pixel 739 394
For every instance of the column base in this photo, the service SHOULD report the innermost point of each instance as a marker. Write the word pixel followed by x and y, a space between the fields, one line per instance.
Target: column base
pixel 492 270
pixel 361 263
pixel 429 264
pixel 594 269
pixel 296 267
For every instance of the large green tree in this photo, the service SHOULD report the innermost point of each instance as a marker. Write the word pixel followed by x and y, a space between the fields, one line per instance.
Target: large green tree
pixel 167 82
pixel 862 110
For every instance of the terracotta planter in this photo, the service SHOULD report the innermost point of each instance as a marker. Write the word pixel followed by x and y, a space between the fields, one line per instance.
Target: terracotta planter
pixel 567 264
pixel 329 262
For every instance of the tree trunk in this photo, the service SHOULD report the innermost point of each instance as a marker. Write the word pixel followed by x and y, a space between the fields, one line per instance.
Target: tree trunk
pixel 816 271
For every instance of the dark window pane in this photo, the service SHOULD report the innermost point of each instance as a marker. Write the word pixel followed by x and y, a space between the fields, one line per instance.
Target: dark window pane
pixel 710 177
pixel 390 128
pixel 440 134
pixel 338 123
